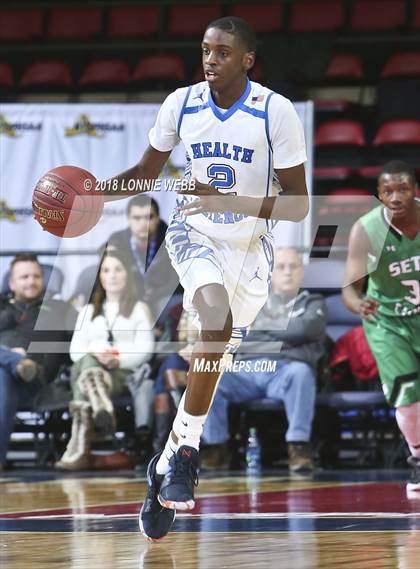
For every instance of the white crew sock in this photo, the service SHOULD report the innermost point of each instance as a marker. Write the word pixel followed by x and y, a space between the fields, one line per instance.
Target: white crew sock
pixel 162 465
pixel 190 430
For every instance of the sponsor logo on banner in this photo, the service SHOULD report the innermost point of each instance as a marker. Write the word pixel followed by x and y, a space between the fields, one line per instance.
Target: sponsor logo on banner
pixel 5 212
pixel 12 130
pixel 83 125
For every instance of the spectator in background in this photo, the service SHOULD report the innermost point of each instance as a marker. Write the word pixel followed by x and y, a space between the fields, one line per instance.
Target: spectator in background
pixel 296 322
pixel 144 242
pixel 113 336
pixel 26 318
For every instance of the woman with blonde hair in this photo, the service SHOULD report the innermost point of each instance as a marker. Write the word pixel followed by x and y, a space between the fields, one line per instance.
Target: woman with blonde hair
pixel 113 336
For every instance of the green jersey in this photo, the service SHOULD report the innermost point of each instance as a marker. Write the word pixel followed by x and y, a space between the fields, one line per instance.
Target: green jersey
pixel 393 266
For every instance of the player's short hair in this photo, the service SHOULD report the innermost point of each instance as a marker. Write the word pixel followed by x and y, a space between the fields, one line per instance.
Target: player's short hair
pixel 24 258
pixel 237 27
pixel 398 167
pixel 142 200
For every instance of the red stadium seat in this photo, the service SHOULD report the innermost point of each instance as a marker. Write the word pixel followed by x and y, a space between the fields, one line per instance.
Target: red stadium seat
pixel 346 200
pixel 6 75
pixel 332 173
pixel 77 23
pixel 192 19
pixel 377 15
pixel 133 21
pixel 399 132
pixel 316 16
pixel 344 66
pixel 340 133
pixel 264 17
pixel 416 18
pixel 47 74
pixel 404 64
pixel 343 206
pixel 157 66
pixel 368 171
pixel 20 24
pixel 106 72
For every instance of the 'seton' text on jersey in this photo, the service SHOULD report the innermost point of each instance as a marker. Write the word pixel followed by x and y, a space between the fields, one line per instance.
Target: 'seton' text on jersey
pixel 222 150
pixel 405 266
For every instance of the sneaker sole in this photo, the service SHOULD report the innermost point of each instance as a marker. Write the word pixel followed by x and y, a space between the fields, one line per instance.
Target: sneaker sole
pixel 144 534
pixel 183 506
pixel 411 486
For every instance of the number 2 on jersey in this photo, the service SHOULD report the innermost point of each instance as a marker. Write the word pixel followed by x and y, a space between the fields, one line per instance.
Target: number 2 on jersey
pixel 221 176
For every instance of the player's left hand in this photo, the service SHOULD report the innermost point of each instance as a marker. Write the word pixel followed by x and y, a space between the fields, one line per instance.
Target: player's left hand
pixel 209 199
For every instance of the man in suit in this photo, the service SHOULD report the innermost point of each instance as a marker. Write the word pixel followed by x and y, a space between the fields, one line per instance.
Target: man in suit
pixel 143 242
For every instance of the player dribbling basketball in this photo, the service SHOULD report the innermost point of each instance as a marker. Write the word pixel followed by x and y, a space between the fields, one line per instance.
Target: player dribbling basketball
pixel 237 133
pixel 385 244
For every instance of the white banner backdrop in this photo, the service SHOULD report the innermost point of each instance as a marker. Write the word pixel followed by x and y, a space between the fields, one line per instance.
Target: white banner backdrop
pixel 104 139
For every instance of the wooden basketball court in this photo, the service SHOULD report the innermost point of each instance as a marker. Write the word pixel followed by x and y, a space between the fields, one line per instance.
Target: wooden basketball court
pixel 359 519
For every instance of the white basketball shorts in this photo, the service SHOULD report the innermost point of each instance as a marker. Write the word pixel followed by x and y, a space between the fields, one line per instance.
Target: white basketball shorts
pixel 243 269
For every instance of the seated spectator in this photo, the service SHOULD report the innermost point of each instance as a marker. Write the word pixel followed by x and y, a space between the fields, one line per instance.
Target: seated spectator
pixel 143 242
pixel 113 336
pixel 296 322
pixel 26 318
pixel 172 379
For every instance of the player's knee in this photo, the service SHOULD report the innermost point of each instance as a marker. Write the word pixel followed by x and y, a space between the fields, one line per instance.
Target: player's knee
pixel 212 303
pixel 216 329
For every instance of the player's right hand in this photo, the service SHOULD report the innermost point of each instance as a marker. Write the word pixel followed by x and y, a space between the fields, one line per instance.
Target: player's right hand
pixel 367 307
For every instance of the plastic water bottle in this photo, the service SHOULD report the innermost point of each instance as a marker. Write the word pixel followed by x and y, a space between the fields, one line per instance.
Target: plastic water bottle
pixel 253 452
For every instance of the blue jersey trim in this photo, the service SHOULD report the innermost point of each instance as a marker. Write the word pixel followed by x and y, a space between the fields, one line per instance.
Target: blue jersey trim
pixel 224 116
pixel 253 112
pixel 267 122
pixel 267 188
pixel 197 109
pixel 178 130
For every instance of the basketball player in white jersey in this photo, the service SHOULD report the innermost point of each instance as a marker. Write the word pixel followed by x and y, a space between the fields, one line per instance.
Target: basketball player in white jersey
pixel 237 135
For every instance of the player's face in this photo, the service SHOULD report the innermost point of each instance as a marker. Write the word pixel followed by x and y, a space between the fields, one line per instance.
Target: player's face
pixel 113 276
pixel 225 59
pixel 26 281
pixel 143 222
pixel 397 193
pixel 287 273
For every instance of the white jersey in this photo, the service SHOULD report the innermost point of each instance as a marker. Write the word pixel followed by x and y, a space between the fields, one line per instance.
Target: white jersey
pixel 234 150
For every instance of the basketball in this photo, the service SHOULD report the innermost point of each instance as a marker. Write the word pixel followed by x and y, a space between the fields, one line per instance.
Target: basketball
pixel 65 202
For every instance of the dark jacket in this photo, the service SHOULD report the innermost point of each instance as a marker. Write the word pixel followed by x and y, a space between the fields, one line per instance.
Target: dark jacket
pixel 41 321
pixel 160 278
pixel 293 330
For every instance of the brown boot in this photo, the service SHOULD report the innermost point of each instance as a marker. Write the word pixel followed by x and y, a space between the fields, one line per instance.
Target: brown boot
pixel 215 457
pixel 300 459
pixel 95 384
pixel 77 453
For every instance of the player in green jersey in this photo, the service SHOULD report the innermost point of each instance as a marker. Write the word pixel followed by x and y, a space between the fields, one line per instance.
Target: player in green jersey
pixel 384 246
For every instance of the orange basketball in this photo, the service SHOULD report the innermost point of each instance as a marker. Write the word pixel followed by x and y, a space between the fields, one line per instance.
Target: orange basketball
pixel 65 202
